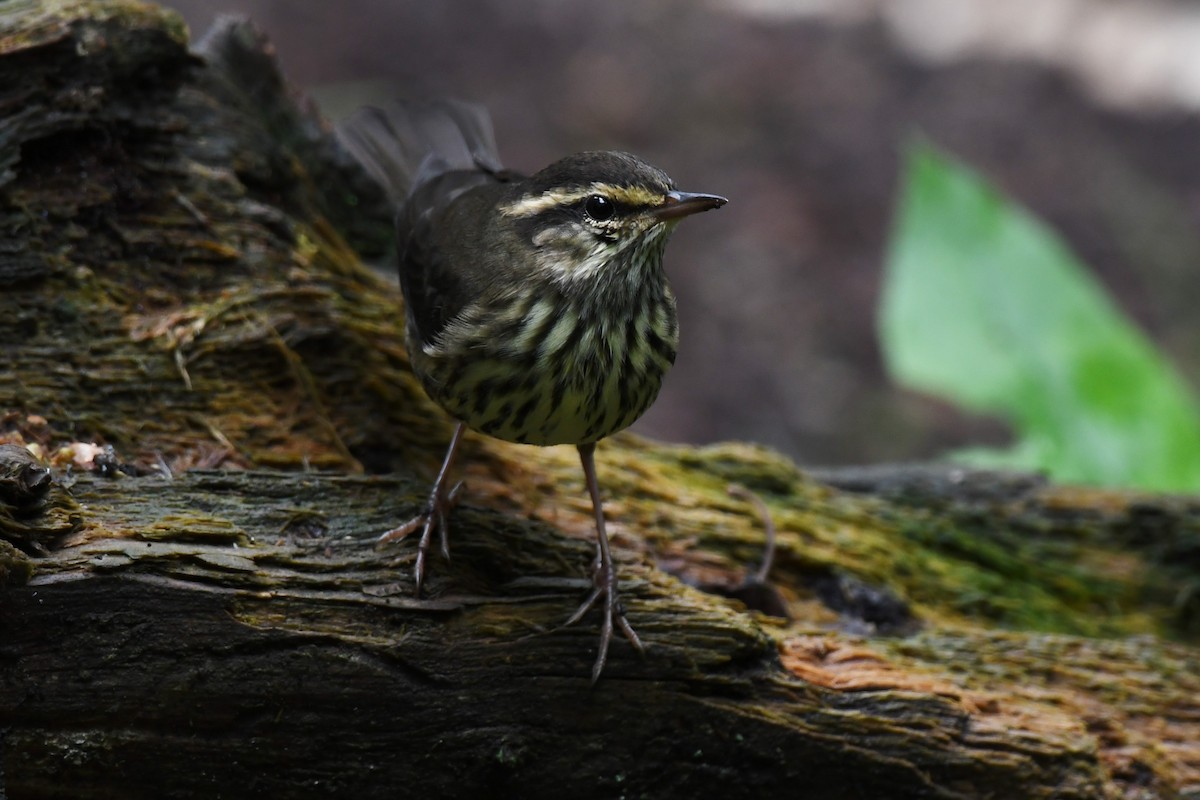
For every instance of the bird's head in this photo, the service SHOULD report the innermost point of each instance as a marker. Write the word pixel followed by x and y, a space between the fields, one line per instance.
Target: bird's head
pixel 600 215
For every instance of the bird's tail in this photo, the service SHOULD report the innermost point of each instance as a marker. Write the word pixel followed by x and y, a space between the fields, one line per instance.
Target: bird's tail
pixel 407 143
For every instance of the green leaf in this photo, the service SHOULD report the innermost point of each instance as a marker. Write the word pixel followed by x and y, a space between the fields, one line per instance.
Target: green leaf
pixel 984 305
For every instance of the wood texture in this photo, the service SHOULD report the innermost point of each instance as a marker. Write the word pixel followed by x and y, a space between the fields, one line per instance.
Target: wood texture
pixel 200 611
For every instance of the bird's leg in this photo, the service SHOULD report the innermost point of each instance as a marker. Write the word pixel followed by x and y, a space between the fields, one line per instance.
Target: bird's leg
pixel 437 510
pixel 604 577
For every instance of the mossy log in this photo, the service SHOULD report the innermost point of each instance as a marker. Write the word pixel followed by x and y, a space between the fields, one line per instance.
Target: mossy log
pixel 195 607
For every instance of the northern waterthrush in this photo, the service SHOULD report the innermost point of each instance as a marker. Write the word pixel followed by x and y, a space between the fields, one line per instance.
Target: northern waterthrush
pixel 537 307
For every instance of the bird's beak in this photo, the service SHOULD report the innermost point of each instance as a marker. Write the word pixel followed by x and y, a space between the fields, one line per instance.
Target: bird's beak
pixel 682 204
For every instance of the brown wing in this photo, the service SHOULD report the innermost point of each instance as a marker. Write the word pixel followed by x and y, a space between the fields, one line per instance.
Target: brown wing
pixel 428 156
pixel 440 248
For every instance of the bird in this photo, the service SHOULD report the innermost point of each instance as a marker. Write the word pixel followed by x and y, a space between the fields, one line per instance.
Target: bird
pixel 537 309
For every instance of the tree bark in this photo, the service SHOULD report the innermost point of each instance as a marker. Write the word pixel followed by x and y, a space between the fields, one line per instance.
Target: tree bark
pixel 200 609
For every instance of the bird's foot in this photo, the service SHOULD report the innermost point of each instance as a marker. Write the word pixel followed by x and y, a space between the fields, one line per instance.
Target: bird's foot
pixel 605 586
pixel 434 517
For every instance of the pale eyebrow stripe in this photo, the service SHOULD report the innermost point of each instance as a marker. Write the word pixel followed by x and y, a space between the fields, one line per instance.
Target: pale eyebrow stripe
pixel 532 206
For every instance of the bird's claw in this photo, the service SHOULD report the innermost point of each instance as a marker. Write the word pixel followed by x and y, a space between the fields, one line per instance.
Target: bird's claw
pixel 435 516
pixel 614 614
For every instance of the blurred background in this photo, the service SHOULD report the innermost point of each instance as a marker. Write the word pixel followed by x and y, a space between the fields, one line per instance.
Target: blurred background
pixel 798 110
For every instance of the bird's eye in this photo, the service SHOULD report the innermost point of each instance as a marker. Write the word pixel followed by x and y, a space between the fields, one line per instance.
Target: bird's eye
pixel 599 208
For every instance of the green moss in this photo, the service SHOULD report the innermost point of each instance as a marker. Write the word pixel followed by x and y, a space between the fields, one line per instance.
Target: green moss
pixel 198 528
pixel 16 568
